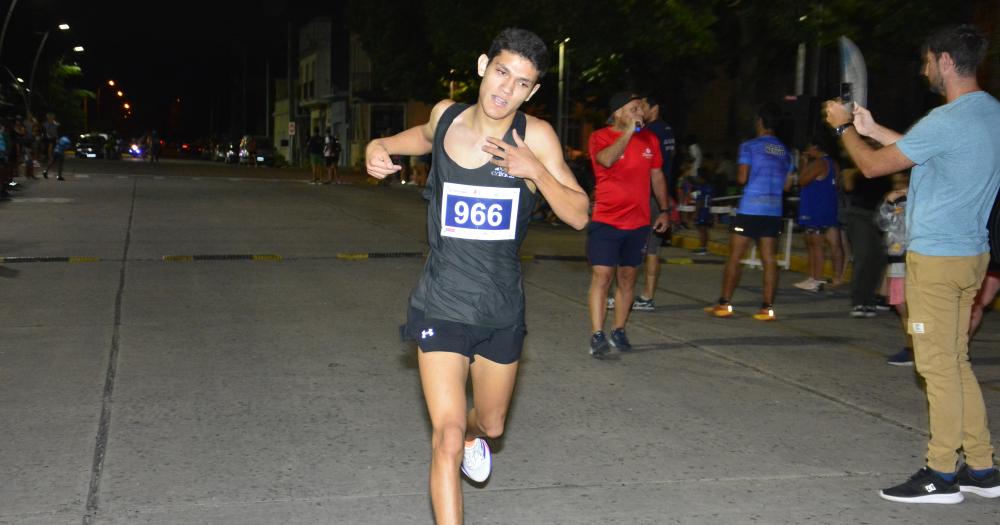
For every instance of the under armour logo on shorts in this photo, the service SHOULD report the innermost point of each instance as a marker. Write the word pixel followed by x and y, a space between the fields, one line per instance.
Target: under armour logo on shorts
pixel 427 333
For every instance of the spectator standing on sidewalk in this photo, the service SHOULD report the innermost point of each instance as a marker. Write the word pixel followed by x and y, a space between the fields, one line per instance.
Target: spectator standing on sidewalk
pixel 58 157
pixel 818 214
pixel 314 147
pixel 891 220
pixel 627 163
pixel 955 156
pixel 863 196
pixel 23 141
pixel 665 138
pixel 50 129
pixel 331 153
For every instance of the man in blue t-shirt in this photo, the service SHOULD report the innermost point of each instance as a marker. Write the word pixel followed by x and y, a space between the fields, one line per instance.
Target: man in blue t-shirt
pixel 58 156
pixel 764 165
pixel 955 157
pixel 665 139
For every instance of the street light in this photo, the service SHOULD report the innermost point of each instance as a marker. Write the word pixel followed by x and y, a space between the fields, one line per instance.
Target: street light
pixel 78 49
pixel 561 127
pixel 64 27
pixel 110 83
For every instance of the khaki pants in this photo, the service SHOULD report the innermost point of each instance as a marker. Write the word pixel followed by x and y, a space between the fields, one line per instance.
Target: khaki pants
pixel 939 296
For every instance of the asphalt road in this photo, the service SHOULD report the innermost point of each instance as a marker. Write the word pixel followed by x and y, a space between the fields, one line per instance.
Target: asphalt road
pixel 196 343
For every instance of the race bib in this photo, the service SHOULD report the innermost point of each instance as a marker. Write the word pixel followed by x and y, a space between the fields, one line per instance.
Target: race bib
pixel 478 212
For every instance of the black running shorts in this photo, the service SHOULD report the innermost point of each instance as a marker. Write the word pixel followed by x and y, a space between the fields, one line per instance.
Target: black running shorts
pixel 500 345
pixel 757 226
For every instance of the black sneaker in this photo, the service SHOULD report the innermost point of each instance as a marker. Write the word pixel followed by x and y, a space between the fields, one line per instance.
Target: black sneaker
pixel 861 311
pixel 882 304
pixel 924 487
pixel 642 304
pixel 987 487
pixel 59 177
pixel 902 358
pixel 599 345
pixel 620 341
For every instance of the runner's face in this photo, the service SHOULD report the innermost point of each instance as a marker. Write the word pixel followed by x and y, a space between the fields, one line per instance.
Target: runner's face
pixel 632 112
pixel 508 81
pixel 933 73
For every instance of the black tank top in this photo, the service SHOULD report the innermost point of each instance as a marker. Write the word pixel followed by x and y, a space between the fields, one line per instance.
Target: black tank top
pixel 476 221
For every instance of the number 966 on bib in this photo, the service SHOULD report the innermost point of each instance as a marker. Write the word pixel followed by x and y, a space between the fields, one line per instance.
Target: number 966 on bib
pixel 478 212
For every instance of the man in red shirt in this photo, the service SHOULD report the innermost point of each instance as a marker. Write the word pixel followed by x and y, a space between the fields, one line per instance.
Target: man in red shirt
pixel 627 162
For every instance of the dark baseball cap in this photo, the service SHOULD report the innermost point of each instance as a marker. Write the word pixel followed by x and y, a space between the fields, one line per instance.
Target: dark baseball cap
pixel 618 100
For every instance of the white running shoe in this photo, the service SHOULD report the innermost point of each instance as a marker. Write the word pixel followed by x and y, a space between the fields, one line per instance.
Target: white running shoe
pixel 810 285
pixel 477 463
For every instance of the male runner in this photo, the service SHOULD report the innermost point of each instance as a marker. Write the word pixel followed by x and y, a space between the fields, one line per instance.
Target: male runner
pixel 627 162
pixel 467 311
pixel 955 156
pixel 764 166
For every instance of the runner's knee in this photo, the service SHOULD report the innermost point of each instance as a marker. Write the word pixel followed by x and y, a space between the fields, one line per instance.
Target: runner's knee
pixel 492 424
pixel 449 440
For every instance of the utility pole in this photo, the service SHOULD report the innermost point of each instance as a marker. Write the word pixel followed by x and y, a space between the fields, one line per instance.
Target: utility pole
pixel 267 97
pixel 293 151
pixel 34 65
pixel 3 33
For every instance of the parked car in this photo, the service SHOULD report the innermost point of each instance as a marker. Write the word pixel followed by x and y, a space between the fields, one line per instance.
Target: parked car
pixel 256 151
pixel 91 145
pixel 226 151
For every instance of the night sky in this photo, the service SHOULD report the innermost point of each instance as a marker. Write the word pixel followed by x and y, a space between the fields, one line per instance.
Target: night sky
pixel 202 53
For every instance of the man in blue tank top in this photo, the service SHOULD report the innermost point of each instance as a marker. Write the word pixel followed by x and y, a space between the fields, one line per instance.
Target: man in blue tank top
pixel 764 166
pixel 467 311
pixel 955 156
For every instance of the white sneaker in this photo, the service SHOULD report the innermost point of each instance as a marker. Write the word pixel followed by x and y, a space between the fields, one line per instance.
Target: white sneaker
pixel 477 463
pixel 809 285
pixel 611 303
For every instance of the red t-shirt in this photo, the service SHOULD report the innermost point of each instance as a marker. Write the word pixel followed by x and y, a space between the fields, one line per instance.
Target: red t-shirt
pixel 621 198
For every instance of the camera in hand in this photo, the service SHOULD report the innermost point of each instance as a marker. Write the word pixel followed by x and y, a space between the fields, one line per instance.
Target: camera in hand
pixel 846 93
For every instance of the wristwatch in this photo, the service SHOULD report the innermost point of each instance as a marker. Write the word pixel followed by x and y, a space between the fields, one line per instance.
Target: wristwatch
pixel 842 128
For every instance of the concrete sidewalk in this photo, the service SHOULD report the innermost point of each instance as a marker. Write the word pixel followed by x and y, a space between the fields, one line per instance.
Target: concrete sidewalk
pixel 144 389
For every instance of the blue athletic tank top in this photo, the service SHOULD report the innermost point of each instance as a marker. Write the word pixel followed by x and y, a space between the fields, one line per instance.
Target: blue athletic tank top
pixel 769 163
pixel 818 199
pixel 476 221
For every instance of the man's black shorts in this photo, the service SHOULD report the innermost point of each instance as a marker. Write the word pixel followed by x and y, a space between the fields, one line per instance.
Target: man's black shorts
pixel 757 226
pixel 609 246
pixel 500 345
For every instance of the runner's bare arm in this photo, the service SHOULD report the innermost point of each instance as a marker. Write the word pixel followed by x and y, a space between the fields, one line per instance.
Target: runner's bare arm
pixel 659 183
pixel 540 161
pixel 813 171
pixel 743 174
pixel 417 140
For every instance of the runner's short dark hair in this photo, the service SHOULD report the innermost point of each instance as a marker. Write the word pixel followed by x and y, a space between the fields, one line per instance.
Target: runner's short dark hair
pixel 965 43
pixel 770 115
pixel 524 43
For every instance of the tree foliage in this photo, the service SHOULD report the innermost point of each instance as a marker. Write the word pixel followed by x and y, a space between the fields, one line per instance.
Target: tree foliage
pixel 65 100
pixel 673 48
